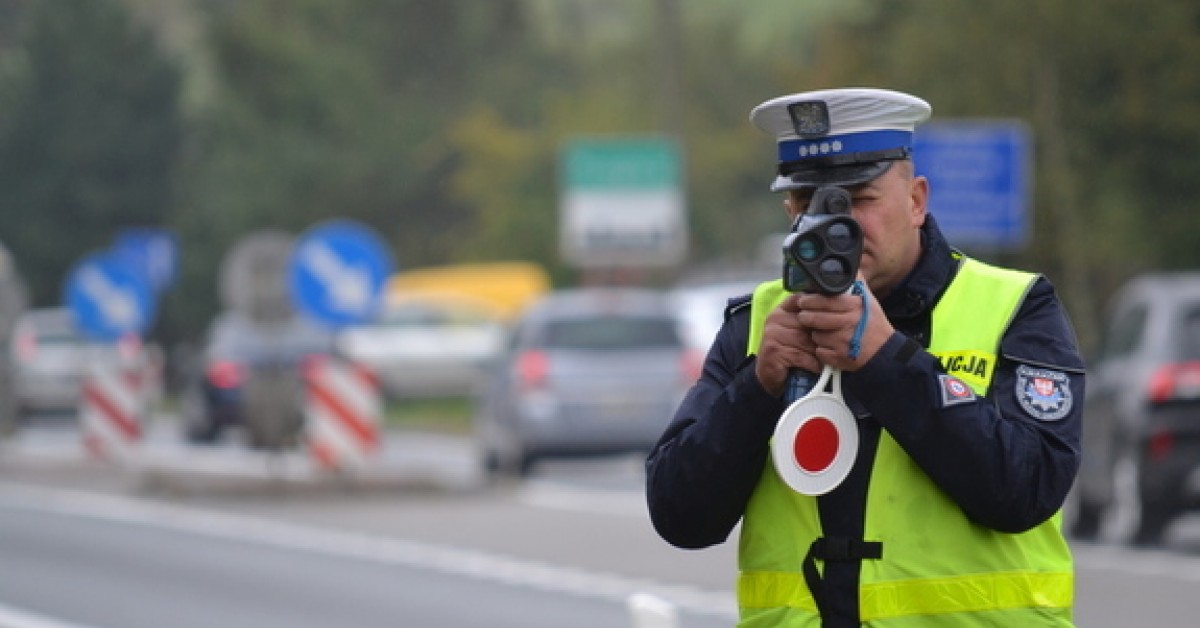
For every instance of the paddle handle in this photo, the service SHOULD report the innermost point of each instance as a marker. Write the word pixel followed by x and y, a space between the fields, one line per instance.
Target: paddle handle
pixel 799 382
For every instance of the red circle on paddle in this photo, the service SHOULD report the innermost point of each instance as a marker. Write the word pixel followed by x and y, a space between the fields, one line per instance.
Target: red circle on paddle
pixel 816 444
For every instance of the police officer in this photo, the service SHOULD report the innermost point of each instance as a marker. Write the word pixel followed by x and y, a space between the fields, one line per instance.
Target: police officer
pixel 965 388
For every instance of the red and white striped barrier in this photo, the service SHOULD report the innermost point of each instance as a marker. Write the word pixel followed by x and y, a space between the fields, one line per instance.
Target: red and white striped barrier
pixel 112 408
pixel 343 412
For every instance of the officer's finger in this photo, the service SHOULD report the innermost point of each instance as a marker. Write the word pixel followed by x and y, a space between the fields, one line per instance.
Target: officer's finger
pixel 791 303
pixel 828 303
pixel 826 320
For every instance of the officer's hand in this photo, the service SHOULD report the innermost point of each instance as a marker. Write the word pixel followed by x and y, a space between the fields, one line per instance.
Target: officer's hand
pixel 831 321
pixel 786 344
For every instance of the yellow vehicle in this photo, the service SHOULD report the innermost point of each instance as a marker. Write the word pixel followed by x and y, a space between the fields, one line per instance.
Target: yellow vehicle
pixel 503 287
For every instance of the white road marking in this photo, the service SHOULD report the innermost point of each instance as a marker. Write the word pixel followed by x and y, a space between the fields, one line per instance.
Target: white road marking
pixel 12 617
pixel 393 551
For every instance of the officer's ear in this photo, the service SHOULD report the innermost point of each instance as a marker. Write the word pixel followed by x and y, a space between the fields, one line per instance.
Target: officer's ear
pixel 790 207
pixel 918 195
pixel 795 202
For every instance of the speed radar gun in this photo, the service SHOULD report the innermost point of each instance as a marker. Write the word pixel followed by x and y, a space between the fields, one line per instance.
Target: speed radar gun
pixel 816 439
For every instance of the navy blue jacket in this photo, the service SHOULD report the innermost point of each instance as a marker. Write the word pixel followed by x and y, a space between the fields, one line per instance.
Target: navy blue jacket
pixel 1007 467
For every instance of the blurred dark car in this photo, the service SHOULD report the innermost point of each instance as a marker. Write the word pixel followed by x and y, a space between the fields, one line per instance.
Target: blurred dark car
pixel 1141 451
pixel 250 375
pixel 586 372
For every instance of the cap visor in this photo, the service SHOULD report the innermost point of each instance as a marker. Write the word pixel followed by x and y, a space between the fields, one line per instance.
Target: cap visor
pixel 851 174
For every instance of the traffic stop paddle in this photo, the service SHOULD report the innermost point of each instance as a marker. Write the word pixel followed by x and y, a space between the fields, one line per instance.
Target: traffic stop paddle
pixel 816 438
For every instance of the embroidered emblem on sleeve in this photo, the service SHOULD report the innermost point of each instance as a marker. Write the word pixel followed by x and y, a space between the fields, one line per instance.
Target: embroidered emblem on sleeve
pixel 954 391
pixel 1044 394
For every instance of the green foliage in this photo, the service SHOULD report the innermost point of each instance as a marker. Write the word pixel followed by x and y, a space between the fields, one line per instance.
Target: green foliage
pixel 450 415
pixel 330 109
pixel 89 139
pixel 1106 91
pixel 440 122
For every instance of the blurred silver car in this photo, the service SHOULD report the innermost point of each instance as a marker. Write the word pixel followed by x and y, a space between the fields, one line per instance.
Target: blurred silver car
pixel 426 346
pixel 49 356
pixel 587 371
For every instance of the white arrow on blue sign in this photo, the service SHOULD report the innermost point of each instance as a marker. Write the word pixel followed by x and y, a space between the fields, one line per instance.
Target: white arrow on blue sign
pixel 338 271
pixel 108 297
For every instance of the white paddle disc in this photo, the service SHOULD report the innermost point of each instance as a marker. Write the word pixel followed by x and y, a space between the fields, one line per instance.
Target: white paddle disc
pixel 816 439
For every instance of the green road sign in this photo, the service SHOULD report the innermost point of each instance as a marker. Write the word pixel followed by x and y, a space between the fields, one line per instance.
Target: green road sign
pixel 616 164
pixel 622 202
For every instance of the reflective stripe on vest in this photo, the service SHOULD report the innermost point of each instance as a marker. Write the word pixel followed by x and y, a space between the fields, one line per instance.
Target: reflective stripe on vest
pixel 973 573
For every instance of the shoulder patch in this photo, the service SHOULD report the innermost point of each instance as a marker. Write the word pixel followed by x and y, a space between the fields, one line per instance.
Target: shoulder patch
pixel 1044 394
pixel 736 304
pixel 954 390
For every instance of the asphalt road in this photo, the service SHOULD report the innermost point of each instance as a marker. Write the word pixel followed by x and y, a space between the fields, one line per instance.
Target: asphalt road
pixel 263 543
pixel 113 564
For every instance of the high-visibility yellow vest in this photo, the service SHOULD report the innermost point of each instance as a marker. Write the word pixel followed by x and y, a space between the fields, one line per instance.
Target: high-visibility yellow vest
pixel 937 567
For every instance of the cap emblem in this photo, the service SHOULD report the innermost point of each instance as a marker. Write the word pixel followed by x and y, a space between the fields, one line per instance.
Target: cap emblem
pixel 810 118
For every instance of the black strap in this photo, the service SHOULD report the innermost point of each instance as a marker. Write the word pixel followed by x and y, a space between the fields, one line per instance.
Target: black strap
pixel 834 549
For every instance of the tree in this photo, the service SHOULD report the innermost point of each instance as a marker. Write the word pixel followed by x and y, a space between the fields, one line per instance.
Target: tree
pixel 1112 109
pixel 89 140
pixel 337 109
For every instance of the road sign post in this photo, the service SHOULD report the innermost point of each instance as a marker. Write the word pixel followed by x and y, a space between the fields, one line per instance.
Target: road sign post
pixel 979 176
pixel 254 276
pixel 110 298
pixel 622 203
pixel 338 273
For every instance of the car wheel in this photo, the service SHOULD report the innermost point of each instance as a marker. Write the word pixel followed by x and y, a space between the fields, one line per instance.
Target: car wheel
pixel 199 427
pixel 517 465
pixel 491 463
pixel 487 442
pixel 199 433
pixel 1128 520
pixel 503 453
pixel 1071 512
pixel 10 419
pixel 525 464
pixel 1080 519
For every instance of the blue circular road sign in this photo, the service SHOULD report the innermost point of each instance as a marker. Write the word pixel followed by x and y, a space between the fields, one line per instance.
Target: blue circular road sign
pixel 108 297
pixel 338 271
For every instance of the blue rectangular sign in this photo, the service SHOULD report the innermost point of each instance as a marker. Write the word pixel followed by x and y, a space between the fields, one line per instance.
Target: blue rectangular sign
pixel 979 180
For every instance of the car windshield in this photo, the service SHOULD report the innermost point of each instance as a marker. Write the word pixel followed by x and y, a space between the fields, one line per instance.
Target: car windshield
pixel 60 337
pixel 426 315
pixel 54 328
pixel 611 332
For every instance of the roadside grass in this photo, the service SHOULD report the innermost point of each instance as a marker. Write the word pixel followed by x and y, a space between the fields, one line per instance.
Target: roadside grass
pixel 450 415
